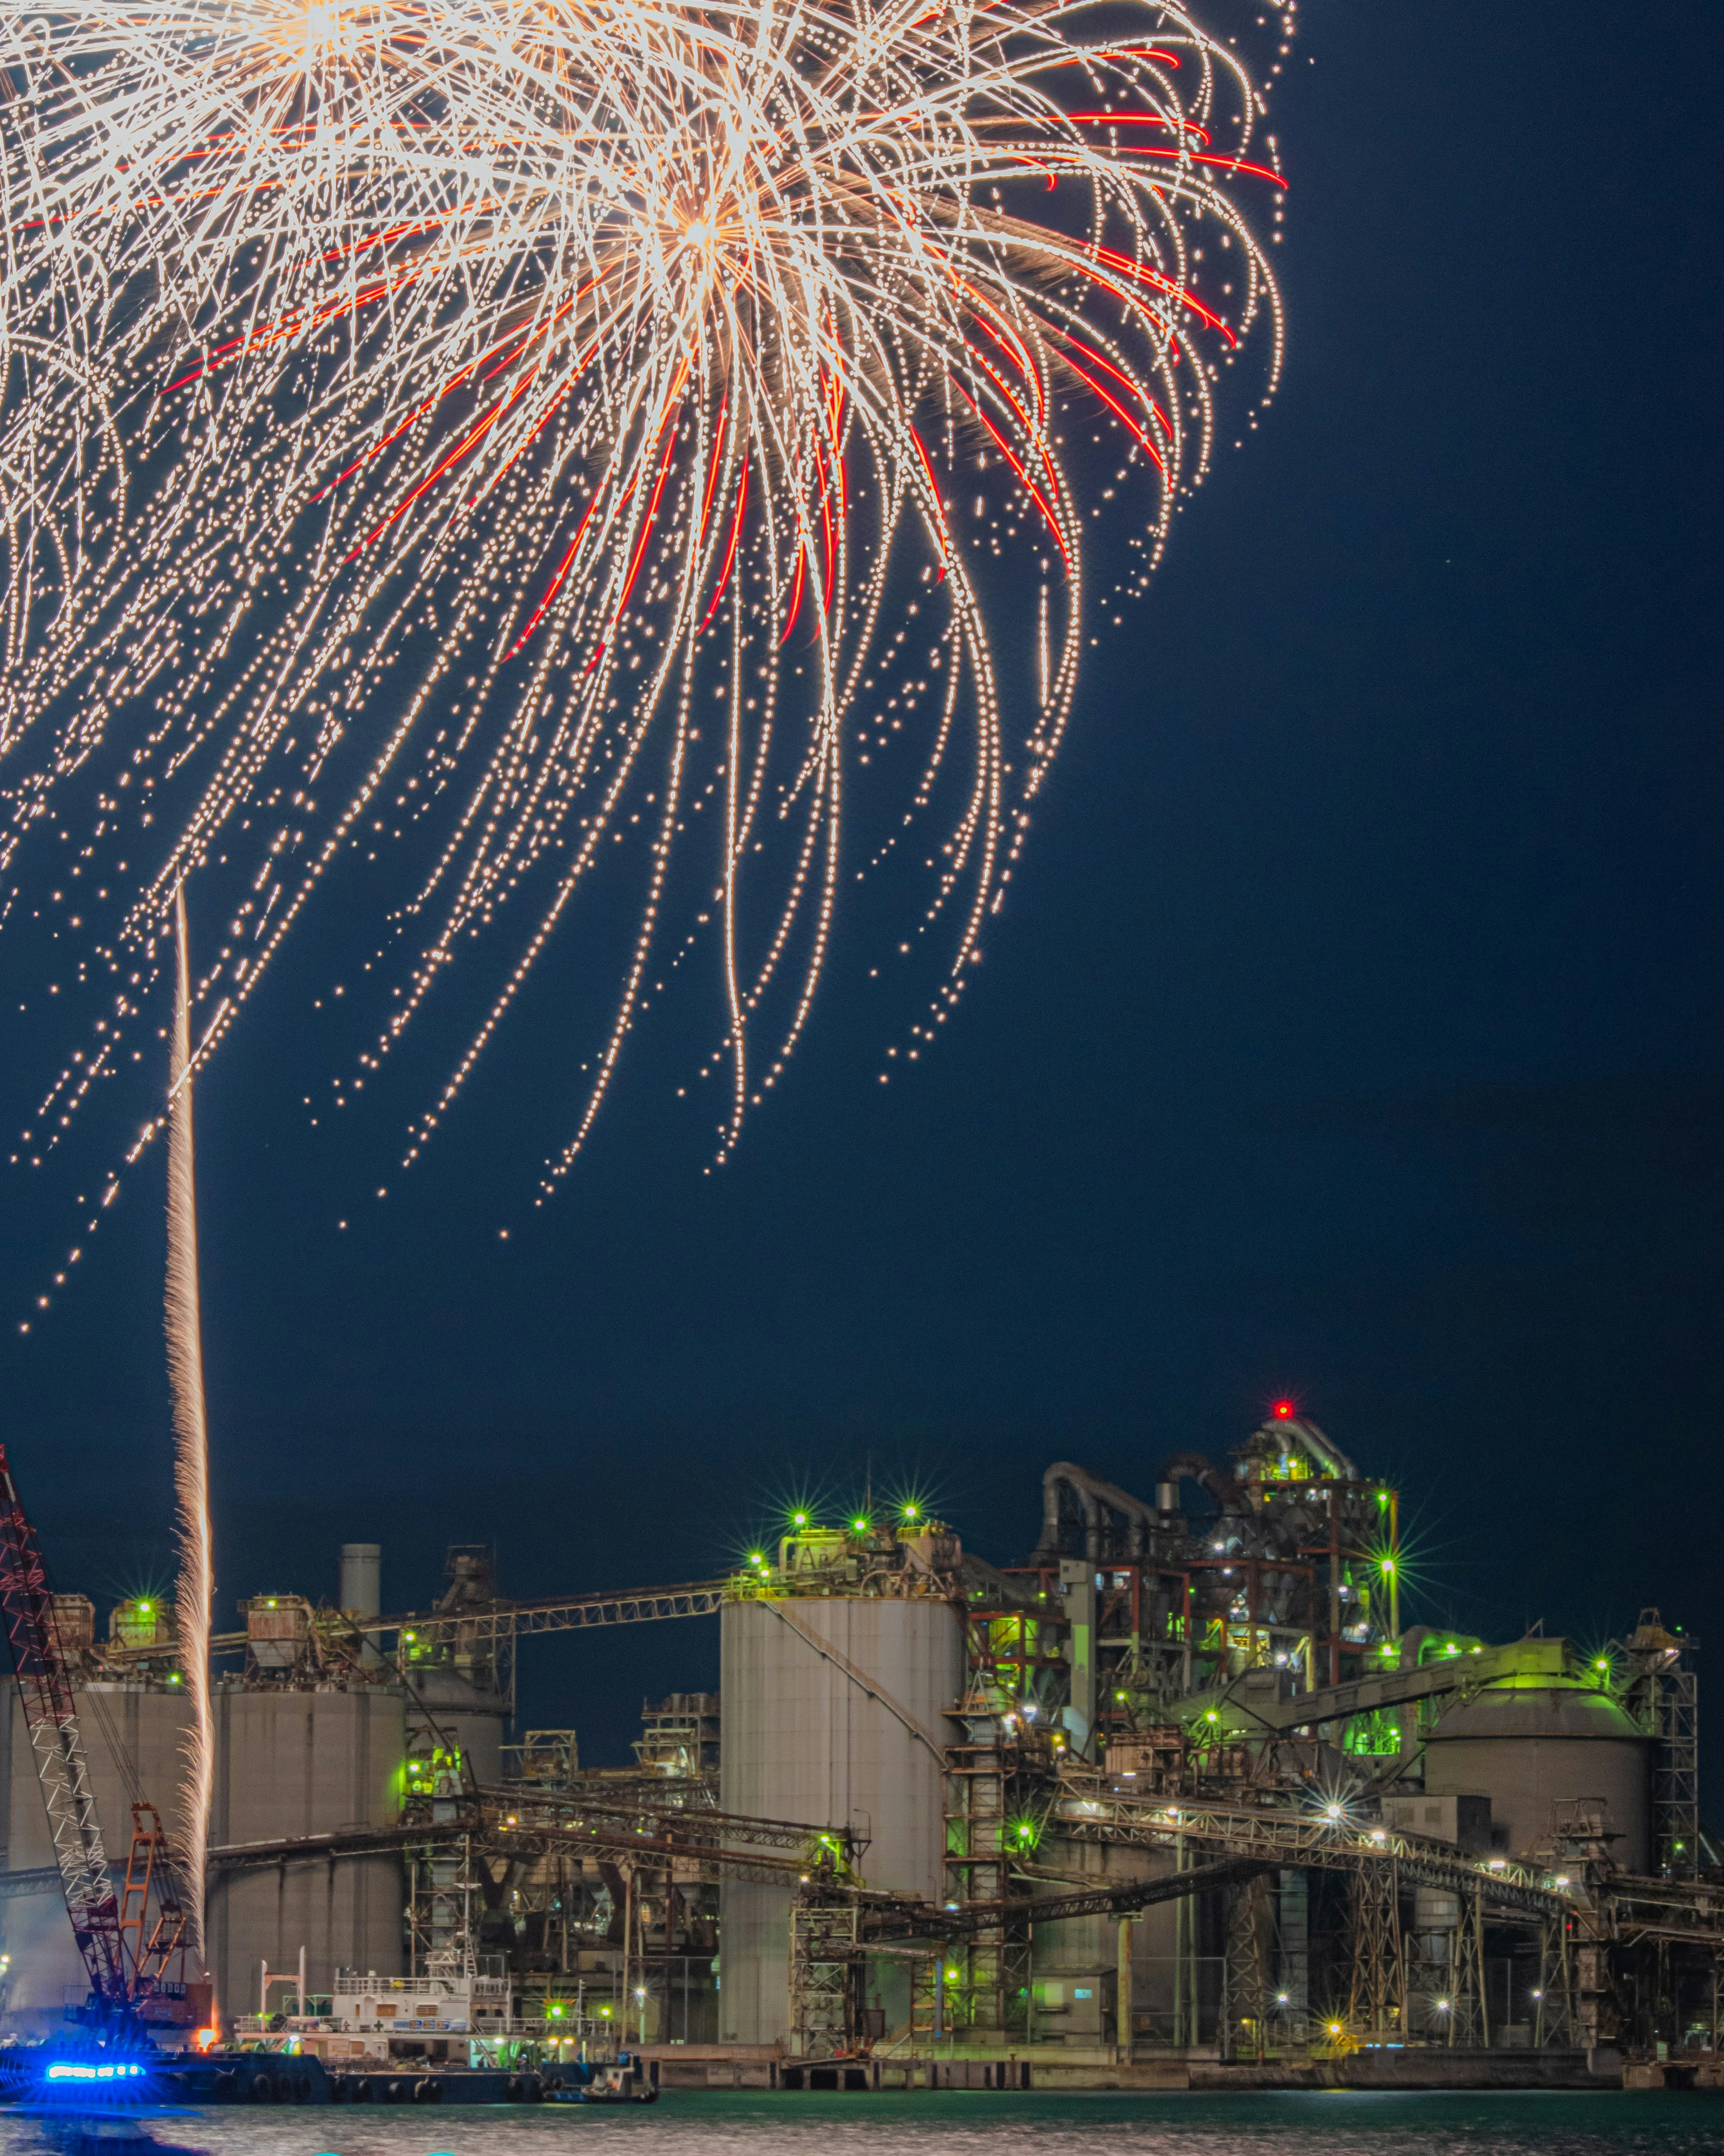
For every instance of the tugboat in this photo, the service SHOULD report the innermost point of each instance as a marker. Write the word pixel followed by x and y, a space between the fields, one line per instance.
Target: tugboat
pixel 622 2083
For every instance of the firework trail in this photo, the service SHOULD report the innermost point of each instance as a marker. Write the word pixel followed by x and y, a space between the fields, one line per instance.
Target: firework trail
pixel 185 1370
pixel 548 448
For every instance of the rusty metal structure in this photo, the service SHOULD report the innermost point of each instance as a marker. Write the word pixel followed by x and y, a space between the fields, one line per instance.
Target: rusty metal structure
pixel 131 1944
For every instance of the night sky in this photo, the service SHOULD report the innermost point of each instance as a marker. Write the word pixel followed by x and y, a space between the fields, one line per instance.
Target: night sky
pixel 1353 1031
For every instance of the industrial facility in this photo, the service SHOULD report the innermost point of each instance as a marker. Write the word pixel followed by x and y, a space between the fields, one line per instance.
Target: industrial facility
pixel 1173 1799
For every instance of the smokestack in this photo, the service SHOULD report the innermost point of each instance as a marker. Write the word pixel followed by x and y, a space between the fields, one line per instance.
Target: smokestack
pixel 362 1588
pixel 362 1579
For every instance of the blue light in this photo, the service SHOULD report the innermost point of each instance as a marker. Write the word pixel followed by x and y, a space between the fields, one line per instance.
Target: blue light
pixel 63 2071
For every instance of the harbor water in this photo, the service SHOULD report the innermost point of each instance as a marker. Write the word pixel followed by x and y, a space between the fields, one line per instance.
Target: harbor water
pixel 957 2122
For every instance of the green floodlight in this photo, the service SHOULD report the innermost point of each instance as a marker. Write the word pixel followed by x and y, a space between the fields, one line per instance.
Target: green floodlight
pixel 910 1511
pixel 1389 1564
pixel 860 1527
pixel 798 1519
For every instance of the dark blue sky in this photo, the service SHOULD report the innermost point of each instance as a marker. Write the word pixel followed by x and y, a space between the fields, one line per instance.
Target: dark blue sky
pixel 1354 1030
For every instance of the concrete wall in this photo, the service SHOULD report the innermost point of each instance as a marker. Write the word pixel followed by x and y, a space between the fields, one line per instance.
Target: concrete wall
pixel 835 1713
pixel 286 1764
pixel 305 1763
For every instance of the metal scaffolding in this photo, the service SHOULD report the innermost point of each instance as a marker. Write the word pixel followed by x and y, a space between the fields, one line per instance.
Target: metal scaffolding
pixel 1664 1696
pixel 1377 2007
pixel 1245 2018
pixel 827 1971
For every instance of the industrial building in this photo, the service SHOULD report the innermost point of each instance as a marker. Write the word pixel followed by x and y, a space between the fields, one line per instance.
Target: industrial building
pixel 1175 1794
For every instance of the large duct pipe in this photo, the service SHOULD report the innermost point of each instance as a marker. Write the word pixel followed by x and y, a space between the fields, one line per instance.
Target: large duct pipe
pixel 1219 1484
pixel 1322 1448
pixel 1095 1497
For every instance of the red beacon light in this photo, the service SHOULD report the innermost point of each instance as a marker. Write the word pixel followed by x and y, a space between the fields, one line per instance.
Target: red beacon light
pixel 1284 1410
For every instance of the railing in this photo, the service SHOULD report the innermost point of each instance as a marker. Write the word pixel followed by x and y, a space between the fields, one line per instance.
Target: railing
pixel 349 1984
pixel 1090 1810
pixel 698 1824
pixel 588 2029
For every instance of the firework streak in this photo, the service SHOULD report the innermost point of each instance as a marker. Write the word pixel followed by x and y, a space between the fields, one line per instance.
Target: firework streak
pixel 582 443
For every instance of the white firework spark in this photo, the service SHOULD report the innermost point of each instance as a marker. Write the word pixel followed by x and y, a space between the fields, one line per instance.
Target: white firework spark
pixel 191 1431
pixel 579 440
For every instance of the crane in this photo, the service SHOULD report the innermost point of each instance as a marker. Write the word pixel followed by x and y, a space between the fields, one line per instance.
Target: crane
pixel 125 1950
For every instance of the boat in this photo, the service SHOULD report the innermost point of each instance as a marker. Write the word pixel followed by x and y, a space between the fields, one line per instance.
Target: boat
pixel 619 2084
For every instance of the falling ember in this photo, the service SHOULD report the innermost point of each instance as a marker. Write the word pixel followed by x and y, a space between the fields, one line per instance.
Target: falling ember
pixel 458 460
pixel 191 1473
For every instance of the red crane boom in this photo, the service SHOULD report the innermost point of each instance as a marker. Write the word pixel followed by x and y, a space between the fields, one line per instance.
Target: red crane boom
pixel 125 1956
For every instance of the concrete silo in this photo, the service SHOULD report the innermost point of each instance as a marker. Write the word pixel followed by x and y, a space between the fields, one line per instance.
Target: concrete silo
pixel 1530 1747
pixel 837 1681
pixel 298 1763
pixel 288 1763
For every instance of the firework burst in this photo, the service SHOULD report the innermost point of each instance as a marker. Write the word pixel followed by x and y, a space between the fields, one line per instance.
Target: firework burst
pixel 544 445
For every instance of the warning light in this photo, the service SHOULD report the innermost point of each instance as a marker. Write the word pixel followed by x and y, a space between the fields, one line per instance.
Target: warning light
pixel 1284 1410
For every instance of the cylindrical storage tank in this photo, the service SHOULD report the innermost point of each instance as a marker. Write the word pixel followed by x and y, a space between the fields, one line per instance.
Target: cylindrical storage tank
pixel 298 1763
pixel 459 1712
pixel 363 1589
pixel 1434 1911
pixel 1530 1747
pixel 362 1579
pixel 835 1714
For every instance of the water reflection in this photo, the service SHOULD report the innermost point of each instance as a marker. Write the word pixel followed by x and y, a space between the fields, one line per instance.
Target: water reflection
pixel 111 2130
pixel 946 2123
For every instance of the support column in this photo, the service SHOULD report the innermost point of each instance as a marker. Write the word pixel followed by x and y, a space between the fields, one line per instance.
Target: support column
pixel 1294 1973
pixel 1077 1582
pixel 1377 2003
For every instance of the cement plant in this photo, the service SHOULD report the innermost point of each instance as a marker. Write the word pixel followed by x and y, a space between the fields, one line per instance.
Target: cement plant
pixel 1172 1800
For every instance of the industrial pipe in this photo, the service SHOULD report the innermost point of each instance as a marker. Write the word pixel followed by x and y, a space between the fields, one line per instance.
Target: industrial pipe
pixel 1323 1448
pixel 1093 1496
pixel 1219 1484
